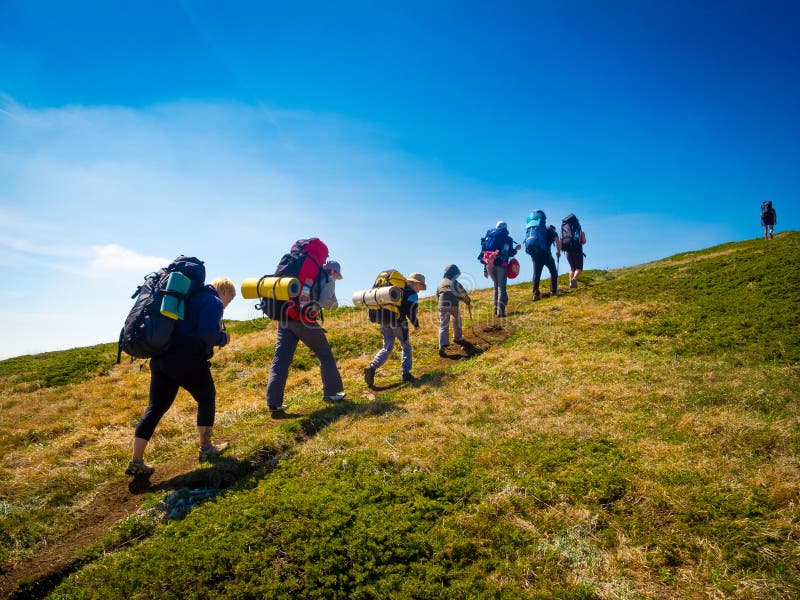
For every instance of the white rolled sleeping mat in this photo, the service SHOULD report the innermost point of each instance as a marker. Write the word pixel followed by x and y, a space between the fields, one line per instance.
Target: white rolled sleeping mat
pixel 277 288
pixel 376 297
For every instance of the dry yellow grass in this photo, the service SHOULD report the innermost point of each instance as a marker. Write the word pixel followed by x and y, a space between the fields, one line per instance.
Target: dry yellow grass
pixel 530 389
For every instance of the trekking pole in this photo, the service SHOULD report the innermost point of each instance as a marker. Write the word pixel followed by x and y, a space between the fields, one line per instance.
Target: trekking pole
pixel 471 320
pixel 558 264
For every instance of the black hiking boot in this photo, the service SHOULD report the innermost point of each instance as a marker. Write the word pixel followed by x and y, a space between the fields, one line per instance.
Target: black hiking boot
pixel 369 376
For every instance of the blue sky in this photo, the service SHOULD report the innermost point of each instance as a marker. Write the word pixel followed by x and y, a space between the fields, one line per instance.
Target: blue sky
pixel 397 132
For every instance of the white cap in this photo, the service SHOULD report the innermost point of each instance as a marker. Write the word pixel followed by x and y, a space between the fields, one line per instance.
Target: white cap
pixel 501 225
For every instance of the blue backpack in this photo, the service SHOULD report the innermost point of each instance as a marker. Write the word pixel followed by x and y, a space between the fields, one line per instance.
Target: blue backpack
pixel 536 233
pixel 495 239
pixel 147 332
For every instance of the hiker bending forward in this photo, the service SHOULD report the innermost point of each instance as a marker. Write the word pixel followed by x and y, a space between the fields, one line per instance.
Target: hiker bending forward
pixel 186 365
pixel 310 332
pixel 450 293
pixel 396 328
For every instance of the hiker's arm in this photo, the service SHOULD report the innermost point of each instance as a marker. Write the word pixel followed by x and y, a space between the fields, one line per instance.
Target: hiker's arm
pixel 209 328
pixel 413 315
pixel 413 304
pixel 461 292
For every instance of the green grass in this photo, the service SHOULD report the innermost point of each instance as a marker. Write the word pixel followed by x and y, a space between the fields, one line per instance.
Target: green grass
pixel 375 530
pixel 52 369
pixel 634 438
pixel 738 299
pixel 243 327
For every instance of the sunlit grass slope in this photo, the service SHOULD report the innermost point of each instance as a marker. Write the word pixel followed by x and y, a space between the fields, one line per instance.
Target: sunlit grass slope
pixel 634 438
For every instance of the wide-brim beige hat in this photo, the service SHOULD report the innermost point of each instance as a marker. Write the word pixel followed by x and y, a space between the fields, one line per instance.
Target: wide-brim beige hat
pixel 418 278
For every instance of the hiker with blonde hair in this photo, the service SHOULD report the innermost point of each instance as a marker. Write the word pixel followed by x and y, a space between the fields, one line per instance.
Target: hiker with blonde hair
pixel 185 364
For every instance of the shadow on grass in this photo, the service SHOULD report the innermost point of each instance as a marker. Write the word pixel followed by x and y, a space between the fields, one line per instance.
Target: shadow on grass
pixel 225 471
pixel 469 348
pixel 383 388
pixel 491 333
pixel 433 379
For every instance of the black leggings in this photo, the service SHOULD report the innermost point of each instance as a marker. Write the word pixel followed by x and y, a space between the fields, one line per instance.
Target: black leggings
pixel 540 261
pixel 168 374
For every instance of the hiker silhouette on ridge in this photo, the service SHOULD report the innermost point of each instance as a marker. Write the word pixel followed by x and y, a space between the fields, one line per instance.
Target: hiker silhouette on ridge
pixel 769 219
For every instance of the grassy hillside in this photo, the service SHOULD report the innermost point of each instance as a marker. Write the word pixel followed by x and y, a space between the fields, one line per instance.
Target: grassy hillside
pixel 635 438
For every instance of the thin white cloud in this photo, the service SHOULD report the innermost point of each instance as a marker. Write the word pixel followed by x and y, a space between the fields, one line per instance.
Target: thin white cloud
pixel 93 198
pixel 111 257
pixel 39 248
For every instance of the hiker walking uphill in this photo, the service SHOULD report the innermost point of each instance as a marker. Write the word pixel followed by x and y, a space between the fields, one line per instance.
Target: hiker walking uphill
pixel 538 240
pixel 297 320
pixel 449 294
pixel 394 319
pixel 572 240
pixel 497 248
pixel 185 364
pixel 769 218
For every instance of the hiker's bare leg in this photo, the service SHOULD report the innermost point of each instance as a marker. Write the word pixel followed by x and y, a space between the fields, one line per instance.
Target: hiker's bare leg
pixel 139 444
pixel 204 433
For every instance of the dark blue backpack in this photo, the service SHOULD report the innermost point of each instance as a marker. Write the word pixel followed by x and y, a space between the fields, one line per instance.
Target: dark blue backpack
pixel 147 333
pixel 570 233
pixel 536 233
pixel 494 239
pixel 768 214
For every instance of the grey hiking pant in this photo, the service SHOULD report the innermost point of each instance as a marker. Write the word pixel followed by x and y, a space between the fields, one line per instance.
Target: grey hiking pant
pixel 499 276
pixel 312 336
pixel 390 334
pixel 445 312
